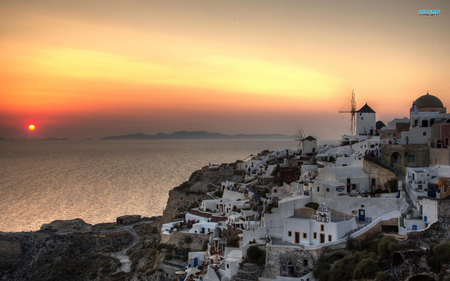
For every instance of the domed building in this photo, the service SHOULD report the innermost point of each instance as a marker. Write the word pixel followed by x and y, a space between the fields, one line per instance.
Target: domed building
pixel 429 103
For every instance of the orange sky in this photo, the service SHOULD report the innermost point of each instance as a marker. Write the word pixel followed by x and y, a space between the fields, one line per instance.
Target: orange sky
pixel 89 69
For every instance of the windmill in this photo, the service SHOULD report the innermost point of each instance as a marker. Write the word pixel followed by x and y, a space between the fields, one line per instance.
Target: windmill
pixel 353 112
pixel 301 138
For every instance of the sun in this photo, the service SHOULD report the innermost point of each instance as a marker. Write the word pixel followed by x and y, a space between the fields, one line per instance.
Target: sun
pixel 31 127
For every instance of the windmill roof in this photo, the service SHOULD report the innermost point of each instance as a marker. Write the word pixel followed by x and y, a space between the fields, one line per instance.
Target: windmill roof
pixel 310 138
pixel 366 109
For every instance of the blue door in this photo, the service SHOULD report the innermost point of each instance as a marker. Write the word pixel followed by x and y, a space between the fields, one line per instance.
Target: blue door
pixel 362 215
pixel 195 262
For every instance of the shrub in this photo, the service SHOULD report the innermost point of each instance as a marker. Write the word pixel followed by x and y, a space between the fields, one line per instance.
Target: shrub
pixel 323 265
pixel 382 276
pixel 187 239
pixel 366 269
pixel 392 184
pixel 383 245
pixel 218 193
pixel 393 247
pixel 312 205
pixel 168 257
pixel 254 253
pixel 440 253
pixel 344 268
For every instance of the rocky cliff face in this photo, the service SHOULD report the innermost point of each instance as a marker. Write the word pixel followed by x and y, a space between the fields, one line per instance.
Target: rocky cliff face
pixel 49 256
pixel 72 250
pixel 191 193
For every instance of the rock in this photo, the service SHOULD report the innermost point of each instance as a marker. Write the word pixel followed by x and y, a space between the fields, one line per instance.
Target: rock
pixel 75 225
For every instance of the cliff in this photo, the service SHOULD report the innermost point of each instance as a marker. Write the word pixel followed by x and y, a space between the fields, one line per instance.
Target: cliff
pixel 75 250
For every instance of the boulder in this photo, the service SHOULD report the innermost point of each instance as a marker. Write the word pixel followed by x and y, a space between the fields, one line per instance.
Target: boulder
pixel 75 225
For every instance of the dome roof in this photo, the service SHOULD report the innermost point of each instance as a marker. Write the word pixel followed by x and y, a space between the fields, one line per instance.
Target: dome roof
pixel 427 101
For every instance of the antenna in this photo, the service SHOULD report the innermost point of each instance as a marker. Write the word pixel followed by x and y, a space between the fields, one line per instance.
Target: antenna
pixel 353 112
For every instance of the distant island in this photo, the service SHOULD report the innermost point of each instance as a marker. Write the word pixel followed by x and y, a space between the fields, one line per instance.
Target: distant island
pixel 56 139
pixel 196 135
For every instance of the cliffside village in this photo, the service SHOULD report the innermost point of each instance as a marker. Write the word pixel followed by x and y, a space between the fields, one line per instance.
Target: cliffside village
pixel 296 205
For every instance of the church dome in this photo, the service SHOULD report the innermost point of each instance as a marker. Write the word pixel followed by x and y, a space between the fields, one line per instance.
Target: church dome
pixel 429 101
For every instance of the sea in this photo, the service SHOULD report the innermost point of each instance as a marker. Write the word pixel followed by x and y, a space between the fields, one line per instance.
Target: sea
pixel 99 180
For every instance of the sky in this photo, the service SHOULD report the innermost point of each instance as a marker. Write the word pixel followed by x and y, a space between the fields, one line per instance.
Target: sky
pixel 90 69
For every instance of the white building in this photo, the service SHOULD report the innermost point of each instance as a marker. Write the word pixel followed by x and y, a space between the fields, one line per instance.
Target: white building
pixel 309 145
pixel 340 180
pixel 311 228
pixel 366 121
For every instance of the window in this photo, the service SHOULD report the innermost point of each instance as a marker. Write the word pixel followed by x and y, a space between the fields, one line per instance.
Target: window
pixel 329 238
pixel 425 219
pixel 411 158
pixel 318 189
pixel 414 227
pixel 297 268
pixel 289 233
pixel 305 263
pixel 315 235
pixel 228 265
pixel 424 133
pixel 328 190
pixel 322 227
pixel 305 236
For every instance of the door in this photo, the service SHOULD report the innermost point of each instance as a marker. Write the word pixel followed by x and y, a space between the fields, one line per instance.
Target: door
pixel 348 185
pixel 195 262
pixel 362 215
pixel 322 238
pixel 297 237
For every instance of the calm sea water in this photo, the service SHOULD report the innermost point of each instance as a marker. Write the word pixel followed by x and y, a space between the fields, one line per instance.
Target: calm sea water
pixel 97 181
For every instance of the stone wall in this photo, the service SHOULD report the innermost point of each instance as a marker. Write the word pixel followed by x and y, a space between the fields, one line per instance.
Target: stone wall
pixel 438 231
pixel 421 154
pixel 279 258
pixel 439 156
pixel 249 271
pixel 177 238
pixel 377 172
pixel 377 229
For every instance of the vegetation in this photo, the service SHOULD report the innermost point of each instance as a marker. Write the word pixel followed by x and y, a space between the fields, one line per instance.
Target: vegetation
pixel 218 193
pixel 323 266
pixel 440 254
pixel 256 255
pixel 366 269
pixel 392 184
pixel 379 190
pixel 359 266
pixel 383 246
pixel 312 205
pixel 382 276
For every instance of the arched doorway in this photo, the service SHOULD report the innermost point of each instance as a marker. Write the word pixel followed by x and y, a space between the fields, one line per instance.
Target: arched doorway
pixel 395 159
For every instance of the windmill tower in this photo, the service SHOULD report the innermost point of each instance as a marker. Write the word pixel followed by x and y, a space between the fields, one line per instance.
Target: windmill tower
pixel 300 139
pixel 353 113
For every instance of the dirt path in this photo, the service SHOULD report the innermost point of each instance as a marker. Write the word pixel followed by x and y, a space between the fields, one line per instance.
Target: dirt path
pixel 122 254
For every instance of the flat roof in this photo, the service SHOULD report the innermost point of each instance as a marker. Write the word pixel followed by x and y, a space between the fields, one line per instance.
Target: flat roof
pixel 308 218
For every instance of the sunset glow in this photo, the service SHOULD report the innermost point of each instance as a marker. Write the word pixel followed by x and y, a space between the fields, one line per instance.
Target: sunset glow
pixel 229 67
